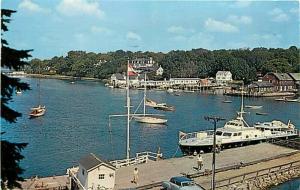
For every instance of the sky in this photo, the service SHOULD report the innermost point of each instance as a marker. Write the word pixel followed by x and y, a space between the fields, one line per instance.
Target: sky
pixel 54 27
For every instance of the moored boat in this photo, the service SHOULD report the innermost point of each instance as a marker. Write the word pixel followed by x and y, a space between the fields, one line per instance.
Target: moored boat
pixel 236 132
pixel 150 120
pixel 253 107
pixel 37 111
pixel 164 107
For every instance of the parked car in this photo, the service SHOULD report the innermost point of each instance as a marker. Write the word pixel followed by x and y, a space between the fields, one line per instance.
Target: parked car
pixel 180 183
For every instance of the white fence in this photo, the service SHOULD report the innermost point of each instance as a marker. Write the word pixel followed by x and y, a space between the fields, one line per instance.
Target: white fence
pixel 141 157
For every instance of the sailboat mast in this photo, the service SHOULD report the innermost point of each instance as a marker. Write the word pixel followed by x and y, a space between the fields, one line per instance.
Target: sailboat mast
pixel 145 89
pixel 128 112
pixel 39 85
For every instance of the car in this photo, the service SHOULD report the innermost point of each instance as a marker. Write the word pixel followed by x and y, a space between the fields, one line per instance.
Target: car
pixel 180 183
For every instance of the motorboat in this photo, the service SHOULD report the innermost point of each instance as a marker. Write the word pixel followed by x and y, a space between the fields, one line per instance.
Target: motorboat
pixel 164 107
pixel 150 120
pixel 227 101
pixel 253 107
pixel 170 90
pixel 150 103
pixel 261 113
pixel 18 91
pixel 235 133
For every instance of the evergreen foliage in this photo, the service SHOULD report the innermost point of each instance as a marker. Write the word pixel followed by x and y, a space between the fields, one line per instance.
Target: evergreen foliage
pixel 10 152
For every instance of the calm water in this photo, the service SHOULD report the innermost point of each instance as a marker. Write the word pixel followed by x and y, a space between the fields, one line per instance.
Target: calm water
pixel 76 122
pixel 291 185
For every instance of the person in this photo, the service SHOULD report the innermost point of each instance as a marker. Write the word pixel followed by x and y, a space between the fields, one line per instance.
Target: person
pixel 135 176
pixel 199 161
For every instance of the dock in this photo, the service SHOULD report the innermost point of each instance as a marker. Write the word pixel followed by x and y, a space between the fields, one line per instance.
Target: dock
pixel 255 157
pixel 233 166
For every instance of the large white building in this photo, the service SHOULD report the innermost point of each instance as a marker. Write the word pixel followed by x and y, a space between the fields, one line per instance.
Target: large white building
pixel 223 77
pixel 94 173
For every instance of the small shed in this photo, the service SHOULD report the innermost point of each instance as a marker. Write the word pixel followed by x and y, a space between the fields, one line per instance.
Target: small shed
pixel 94 173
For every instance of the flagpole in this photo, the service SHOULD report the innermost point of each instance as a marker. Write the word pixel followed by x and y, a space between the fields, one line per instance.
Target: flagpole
pixel 128 112
pixel 145 89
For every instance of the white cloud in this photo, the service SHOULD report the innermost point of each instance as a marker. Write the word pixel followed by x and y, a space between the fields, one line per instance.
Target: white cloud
pixel 102 30
pixel 242 3
pixel 179 30
pixel 294 10
pixel 30 6
pixel 278 15
pixel 239 19
pixel 133 36
pixel 79 7
pixel 219 26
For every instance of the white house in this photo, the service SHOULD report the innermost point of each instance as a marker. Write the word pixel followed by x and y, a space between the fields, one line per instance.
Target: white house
pixel 118 80
pixel 223 77
pixel 159 71
pixel 94 173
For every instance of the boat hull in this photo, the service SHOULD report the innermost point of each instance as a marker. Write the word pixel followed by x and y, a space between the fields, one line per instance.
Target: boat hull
pixel 190 149
pixel 37 113
pixel 150 120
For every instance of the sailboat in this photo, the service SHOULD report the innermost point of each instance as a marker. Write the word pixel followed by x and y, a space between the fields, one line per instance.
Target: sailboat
pixel 148 118
pixel 38 110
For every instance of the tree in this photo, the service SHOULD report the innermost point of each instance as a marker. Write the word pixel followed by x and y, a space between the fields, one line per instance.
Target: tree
pixel 10 152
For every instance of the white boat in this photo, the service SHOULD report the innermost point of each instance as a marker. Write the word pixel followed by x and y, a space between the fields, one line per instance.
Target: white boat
pixel 147 118
pixel 18 92
pixel 38 110
pixel 150 120
pixel 170 90
pixel 164 107
pixel 236 132
pixel 253 107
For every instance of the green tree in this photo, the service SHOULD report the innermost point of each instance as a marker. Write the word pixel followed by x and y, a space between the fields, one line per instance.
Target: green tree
pixel 10 152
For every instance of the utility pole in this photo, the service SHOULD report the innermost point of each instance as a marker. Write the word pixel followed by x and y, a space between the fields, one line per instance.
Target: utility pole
pixel 214 119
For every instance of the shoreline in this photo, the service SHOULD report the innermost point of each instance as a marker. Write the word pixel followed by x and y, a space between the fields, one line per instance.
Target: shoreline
pixel 63 77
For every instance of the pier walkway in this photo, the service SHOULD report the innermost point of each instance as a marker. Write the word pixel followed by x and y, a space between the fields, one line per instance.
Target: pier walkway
pixel 152 173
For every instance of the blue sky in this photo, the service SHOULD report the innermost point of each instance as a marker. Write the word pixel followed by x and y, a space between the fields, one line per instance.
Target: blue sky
pixel 54 27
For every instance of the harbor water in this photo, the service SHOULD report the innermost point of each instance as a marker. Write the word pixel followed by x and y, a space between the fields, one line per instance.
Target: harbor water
pixel 77 122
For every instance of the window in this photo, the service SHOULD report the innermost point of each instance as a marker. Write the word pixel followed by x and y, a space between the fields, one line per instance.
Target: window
pixel 219 133
pixel 82 171
pixel 101 176
pixel 227 134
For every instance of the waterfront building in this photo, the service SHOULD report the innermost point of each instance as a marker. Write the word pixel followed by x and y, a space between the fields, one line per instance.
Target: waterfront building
pixel 281 81
pixel 184 81
pixel 94 173
pixel 296 78
pixel 159 71
pixel 260 87
pixel 223 77
pixel 118 79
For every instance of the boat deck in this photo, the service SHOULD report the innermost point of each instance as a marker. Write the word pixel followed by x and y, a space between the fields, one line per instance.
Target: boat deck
pixel 157 171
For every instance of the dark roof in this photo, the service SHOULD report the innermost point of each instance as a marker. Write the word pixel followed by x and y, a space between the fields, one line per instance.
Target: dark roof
pixel 295 76
pixel 90 161
pixel 282 76
pixel 260 84
pixel 119 76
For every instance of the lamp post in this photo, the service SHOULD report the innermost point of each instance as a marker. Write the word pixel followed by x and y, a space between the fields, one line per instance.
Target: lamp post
pixel 214 119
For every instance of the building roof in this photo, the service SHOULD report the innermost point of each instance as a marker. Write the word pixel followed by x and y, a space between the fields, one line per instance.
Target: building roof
pixel 295 76
pixel 260 84
pixel 119 76
pixel 223 72
pixel 282 76
pixel 91 161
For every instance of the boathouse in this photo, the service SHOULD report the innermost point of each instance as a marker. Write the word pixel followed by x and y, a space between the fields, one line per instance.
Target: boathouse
pixel 281 81
pixel 94 173
pixel 117 79
pixel 223 77
pixel 260 87
pixel 296 78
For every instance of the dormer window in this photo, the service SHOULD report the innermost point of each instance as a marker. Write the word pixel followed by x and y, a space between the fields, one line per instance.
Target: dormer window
pixel 82 171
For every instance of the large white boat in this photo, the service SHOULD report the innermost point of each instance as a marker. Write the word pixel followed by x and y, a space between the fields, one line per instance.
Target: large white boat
pixel 37 111
pixel 236 132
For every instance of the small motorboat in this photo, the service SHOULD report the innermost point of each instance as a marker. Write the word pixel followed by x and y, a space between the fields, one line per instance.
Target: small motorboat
pixel 150 103
pixel 292 100
pixel 227 101
pixel 164 107
pixel 18 92
pixel 261 113
pixel 280 99
pixel 170 90
pixel 253 107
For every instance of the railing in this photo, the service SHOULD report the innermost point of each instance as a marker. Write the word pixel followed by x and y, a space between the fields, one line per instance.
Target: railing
pixel 142 157
pixel 183 136
pixel 253 175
